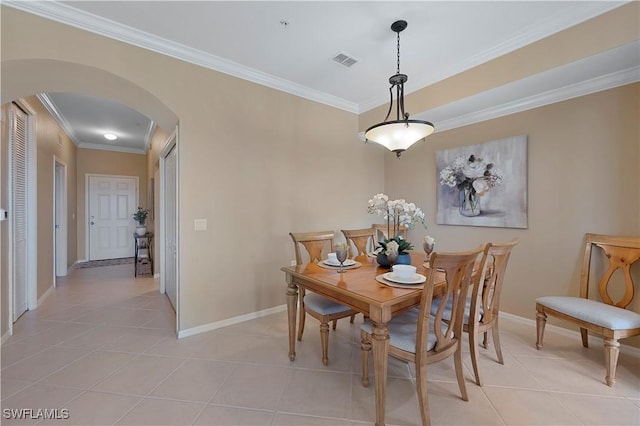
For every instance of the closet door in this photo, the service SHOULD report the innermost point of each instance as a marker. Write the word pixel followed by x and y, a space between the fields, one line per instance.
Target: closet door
pixel 18 214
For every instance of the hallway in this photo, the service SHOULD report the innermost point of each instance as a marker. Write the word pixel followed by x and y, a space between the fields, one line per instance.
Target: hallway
pixel 103 347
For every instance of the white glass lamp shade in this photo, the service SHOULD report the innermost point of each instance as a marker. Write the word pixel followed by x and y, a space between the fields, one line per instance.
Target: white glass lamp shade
pixel 399 135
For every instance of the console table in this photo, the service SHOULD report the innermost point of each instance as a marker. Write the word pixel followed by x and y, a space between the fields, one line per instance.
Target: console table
pixel 143 248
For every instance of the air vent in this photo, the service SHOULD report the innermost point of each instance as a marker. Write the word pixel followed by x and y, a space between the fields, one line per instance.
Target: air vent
pixel 344 59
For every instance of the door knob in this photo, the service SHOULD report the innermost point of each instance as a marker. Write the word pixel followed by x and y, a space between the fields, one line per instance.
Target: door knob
pixel 92 223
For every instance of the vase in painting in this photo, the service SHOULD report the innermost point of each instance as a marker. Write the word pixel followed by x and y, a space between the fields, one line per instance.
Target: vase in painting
pixel 468 202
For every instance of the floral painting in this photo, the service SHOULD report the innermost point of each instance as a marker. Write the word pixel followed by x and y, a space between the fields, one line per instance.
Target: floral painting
pixel 483 185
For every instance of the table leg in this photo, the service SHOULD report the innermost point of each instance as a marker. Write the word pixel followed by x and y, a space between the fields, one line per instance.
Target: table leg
pixel 380 344
pixel 292 307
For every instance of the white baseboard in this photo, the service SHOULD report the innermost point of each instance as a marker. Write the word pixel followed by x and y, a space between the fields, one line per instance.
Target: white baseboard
pixel 230 321
pixel 73 267
pixel 629 350
pixel 45 295
pixel 5 336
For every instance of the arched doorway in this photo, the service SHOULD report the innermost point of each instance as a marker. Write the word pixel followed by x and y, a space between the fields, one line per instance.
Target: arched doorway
pixel 23 78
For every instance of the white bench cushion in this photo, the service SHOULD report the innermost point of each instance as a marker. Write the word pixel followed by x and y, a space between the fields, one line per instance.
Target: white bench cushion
pixel 591 311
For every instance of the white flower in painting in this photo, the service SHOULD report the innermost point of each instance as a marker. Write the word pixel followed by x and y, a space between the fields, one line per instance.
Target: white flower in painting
pixel 481 186
pixel 474 169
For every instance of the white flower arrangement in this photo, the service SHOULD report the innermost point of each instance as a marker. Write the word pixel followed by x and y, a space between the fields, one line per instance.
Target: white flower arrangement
pixel 397 213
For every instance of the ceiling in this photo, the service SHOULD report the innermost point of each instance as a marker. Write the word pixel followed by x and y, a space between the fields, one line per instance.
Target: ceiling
pixel 290 46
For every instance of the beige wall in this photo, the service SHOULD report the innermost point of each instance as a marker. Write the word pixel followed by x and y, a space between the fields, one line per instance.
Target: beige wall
pixel 99 162
pixel 583 167
pixel 258 163
pixel 48 133
pixel 255 162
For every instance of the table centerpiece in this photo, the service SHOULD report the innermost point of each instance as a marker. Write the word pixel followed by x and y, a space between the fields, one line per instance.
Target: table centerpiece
pixel 398 213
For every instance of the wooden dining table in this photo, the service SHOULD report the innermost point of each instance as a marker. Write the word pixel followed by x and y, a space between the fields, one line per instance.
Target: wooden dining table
pixel 358 289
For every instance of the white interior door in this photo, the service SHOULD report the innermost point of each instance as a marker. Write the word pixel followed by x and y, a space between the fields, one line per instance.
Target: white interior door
pixel 60 218
pixel 18 214
pixel 112 201
pixel 170 229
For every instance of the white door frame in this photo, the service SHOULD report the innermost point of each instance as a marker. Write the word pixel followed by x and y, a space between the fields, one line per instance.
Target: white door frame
pixel 87 219
pixel 31 282
pixel 60 231
pixel 171 143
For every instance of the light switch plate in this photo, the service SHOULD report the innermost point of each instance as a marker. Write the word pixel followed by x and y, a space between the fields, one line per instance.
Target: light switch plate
pixel 200 224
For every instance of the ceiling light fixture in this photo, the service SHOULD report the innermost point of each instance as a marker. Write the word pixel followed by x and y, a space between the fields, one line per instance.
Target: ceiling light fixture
pixel 110 136
pixel 399 134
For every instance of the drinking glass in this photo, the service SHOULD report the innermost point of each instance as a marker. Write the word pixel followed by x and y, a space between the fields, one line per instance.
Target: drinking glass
pixel 341 254
pixel 428 248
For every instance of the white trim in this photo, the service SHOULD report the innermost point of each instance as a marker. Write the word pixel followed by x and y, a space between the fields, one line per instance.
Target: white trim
pixel 594 85
pixel 63 222
pixel 74 266
pixel 87 242
pixel 105 147
pixel 6 336
pixel 230 321
pixel 627 349
pixel 170 144
pixel 156 275
pixel 51 107
pixel 46 294
pixel 147 137
pixel 105 27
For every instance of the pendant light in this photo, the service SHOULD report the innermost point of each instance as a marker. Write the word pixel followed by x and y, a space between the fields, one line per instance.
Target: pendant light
pixel 399 134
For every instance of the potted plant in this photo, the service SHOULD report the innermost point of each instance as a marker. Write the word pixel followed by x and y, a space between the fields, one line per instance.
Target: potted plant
pixel 140 216
pixel 398 213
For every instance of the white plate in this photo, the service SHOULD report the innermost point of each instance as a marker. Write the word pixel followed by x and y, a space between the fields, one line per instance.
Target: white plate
pixel 416 279
pixel 348 262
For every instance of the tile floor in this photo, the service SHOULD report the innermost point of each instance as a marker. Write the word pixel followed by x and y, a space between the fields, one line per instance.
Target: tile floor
pixel 102 346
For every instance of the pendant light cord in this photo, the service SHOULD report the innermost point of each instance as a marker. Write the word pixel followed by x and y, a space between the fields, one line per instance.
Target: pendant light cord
pixel 398 70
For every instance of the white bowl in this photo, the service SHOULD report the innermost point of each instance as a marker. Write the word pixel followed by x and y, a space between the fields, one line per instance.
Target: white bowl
pixel 404 271
pixel 332 258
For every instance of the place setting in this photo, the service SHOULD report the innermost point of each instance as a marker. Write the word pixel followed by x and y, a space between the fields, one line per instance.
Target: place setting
pixel 402 276
pixel 339 260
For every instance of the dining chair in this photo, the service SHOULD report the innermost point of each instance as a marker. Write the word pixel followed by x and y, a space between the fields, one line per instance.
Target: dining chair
pixel 382 230
pixel 360 239
pixel 482 308
pixel 319 307
pixel 605 317
pixel 423 338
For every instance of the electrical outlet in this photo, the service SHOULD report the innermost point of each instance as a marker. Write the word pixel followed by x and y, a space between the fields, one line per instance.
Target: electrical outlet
pixel 293 263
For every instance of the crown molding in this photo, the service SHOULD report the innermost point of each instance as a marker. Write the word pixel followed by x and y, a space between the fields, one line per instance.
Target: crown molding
pixel 560 22
pixel 605 82
pixel 51 107
pixel 105 147
pixel 147 137
pixel 105 27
